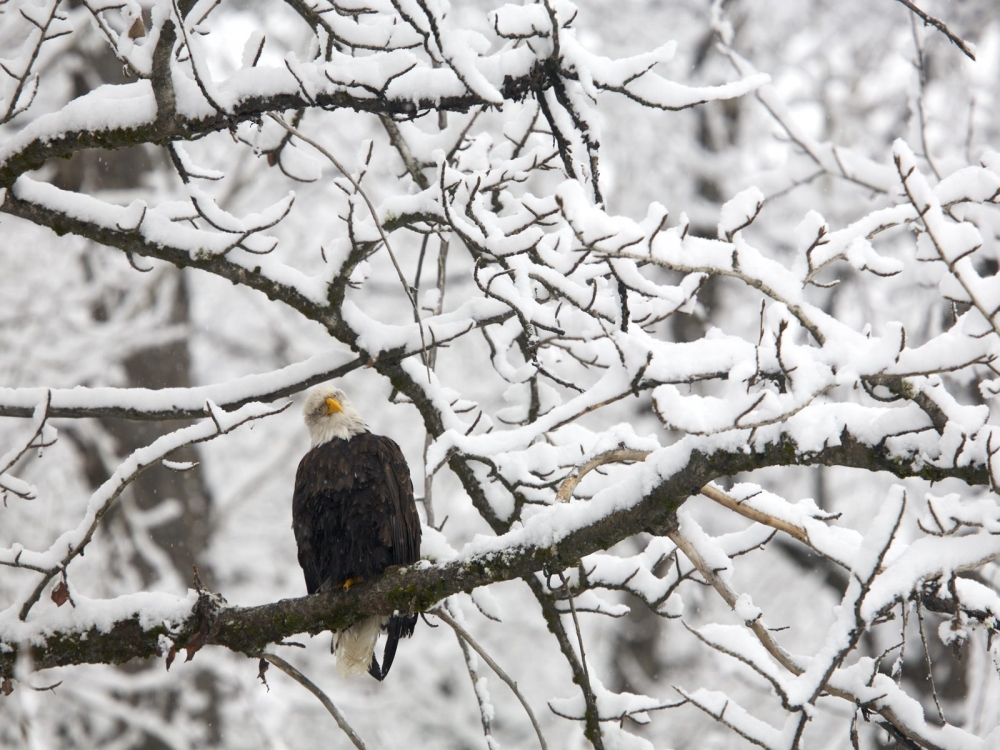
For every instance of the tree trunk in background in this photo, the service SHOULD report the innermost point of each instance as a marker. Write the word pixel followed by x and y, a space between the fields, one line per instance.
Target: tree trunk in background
pixel 184 538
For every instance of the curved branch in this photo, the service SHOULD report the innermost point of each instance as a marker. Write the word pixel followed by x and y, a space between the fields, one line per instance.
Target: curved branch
pixel 313 688
pixel 608 457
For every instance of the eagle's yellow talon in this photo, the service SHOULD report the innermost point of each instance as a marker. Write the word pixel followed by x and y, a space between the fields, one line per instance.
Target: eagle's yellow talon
pixel 350 582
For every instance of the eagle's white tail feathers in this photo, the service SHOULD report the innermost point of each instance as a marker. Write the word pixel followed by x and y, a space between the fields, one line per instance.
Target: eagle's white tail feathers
pixel 354 647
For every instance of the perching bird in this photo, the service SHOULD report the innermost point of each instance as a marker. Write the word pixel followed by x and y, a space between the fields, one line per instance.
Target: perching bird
pixel 354 516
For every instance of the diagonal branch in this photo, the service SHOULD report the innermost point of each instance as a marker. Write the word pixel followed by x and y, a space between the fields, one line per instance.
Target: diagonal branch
pixel 792 663
pixel 105 496
pixel 465 636
pixel 940 26
pixel 313 688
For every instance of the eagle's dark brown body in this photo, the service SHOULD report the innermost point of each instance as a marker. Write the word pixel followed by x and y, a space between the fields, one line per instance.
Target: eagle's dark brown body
pixel 354 515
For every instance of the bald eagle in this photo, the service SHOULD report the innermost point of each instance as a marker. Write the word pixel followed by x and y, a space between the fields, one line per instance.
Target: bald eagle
pixel 354 516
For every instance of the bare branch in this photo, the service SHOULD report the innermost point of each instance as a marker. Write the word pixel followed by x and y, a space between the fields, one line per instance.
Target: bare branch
pixel 940 26
pixel 464 634
pixel 313 688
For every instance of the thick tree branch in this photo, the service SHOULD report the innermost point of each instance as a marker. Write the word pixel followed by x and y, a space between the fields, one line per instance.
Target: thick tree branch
pixel 163 129
pixel 250 630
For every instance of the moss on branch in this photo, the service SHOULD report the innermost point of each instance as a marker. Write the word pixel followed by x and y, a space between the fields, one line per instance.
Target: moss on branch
pixel 417 588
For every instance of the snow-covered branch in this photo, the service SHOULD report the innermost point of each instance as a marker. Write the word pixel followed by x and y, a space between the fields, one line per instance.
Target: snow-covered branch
pixel 645 361
pixel 553 540
pixel 72 543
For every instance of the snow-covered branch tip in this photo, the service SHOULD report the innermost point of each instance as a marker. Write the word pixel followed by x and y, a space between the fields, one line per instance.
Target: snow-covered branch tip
pixel 41 436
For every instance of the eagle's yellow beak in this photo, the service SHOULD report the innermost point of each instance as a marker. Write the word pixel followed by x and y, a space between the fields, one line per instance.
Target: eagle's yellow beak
pixel 333 406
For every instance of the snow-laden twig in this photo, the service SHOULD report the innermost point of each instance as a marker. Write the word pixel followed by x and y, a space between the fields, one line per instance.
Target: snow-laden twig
pixel 12 484
pixel 180 403
pixel 798 524
pixel 576 476
pixel 851 622
pixel 732 715
pixel 375 219
pixel 882 697
pixel 955 244
pixel 72 543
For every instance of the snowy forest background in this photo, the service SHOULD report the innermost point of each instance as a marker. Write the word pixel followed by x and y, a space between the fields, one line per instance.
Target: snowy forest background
pixel 749 247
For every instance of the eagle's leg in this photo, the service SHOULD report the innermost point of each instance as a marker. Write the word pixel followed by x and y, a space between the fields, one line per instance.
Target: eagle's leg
pixel 346 585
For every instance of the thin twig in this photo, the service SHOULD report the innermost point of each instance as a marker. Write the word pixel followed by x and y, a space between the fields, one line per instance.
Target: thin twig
pixel 918 45
pixel 485 711
pixel 378 225
pixel 7 461
pixel 940 26
pixel 463 633
pixel 728 501
pixel 579 633
pixel 311 686
pixel 927 661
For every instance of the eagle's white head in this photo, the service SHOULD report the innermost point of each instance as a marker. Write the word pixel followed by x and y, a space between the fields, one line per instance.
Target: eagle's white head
pixel 329 414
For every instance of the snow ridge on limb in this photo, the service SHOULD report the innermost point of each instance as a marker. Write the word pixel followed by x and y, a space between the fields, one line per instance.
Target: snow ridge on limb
pixel 457 73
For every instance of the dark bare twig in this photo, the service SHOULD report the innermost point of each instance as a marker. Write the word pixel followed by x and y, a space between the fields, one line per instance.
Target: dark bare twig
pixel 378 225
pixel 940 26
pixel 25 79
pixel 311 686
pixel 466 637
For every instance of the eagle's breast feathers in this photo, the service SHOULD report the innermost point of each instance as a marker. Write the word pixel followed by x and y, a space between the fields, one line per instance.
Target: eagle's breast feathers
pixel 353 511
